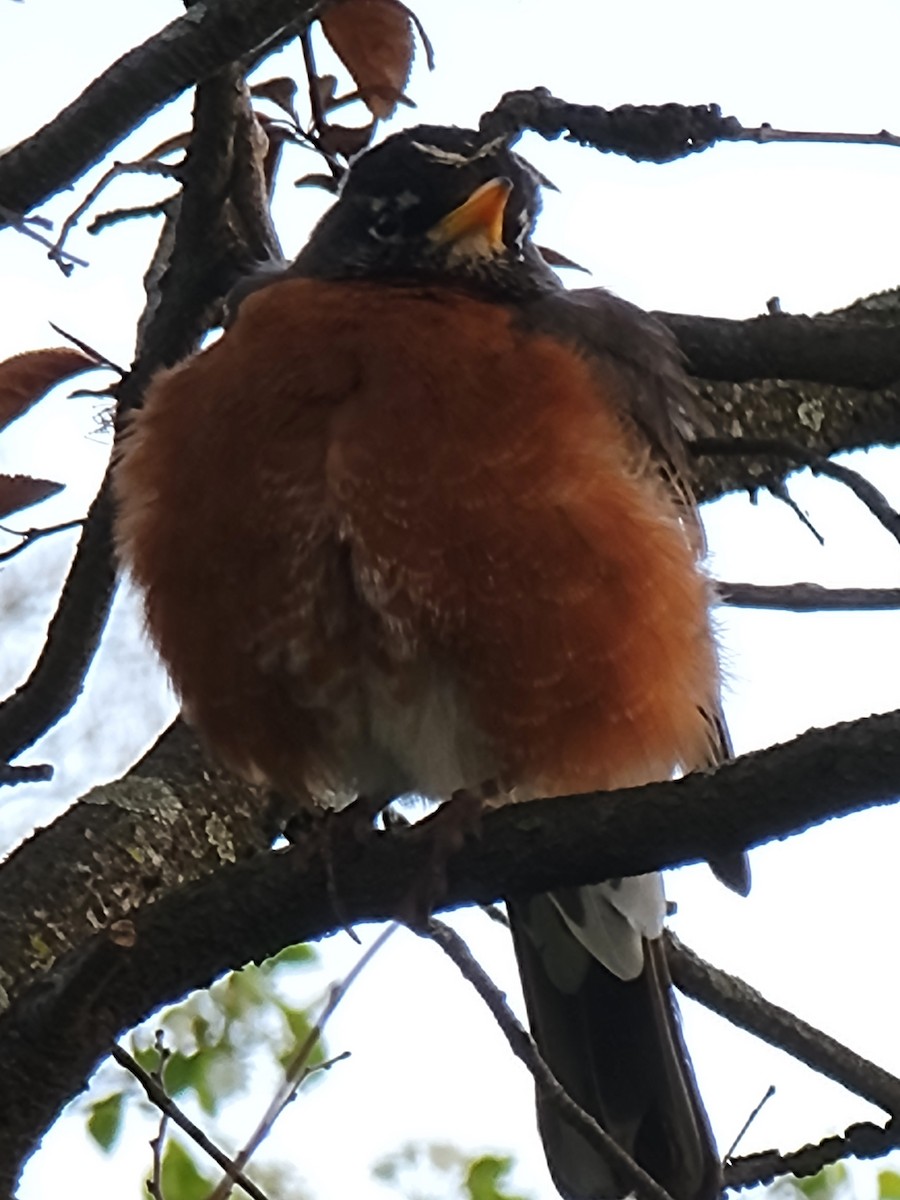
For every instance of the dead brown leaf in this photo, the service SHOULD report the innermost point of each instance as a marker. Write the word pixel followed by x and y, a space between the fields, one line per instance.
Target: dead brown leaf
pixel 375 40
pixel 345 140
pixel 26 378
pixel 21 491
pixel 280 92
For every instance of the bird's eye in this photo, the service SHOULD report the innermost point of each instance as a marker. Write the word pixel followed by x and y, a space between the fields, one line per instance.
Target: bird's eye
pixel 386 227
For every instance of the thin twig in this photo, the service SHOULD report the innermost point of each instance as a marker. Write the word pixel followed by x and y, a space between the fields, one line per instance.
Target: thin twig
pixel 522 1045
pixel 154 1183
pixel 30 536
pixel 24 225
pixel 158 1096
pixel 117 215
pixel 742 1132
pixel 741 1004
pixel 86 348
pixel 865 491
pixel 298 1068
pixel 141 167
pixel 872 498
pixel 765 133
pixel 779 490
pixel 806 597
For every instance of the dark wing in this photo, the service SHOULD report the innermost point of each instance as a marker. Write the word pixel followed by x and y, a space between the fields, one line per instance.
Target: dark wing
pixel 655 393
pixel 642 368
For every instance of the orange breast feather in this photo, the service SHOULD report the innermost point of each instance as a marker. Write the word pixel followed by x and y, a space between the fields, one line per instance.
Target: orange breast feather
pixel 389 541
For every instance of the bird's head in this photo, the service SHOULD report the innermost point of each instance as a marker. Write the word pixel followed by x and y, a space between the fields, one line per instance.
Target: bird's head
pixel 434 204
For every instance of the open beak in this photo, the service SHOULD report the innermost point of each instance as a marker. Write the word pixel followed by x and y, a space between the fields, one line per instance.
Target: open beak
pixel 479 217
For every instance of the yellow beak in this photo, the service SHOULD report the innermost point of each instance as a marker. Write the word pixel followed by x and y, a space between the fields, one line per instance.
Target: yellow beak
pixel 481 216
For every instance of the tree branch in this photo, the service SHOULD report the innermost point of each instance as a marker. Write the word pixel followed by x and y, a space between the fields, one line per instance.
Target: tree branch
pixel 222 223
pixel 523 1047
pixel 823 349
pixel 217 912
pixel 806 597
pixel 743 1006
pixel 191 48
pixel 864 1140
pixel 158 1096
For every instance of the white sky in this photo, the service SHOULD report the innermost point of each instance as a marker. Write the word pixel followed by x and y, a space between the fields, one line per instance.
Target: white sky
pixel 719 234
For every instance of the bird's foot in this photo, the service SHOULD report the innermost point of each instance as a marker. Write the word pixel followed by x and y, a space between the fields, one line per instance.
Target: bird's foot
pixel 443 834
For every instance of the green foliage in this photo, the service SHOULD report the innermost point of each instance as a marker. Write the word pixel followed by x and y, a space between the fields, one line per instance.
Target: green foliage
pixel 485 1177
pixel 439 1171
pixel 104 1122
pixel 888 1185
pixel 181 1178
pixel 208 1043
pixel 832 1181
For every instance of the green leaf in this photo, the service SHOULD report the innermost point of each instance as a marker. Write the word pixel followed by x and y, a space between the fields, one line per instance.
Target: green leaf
pixel 184 1072
pixel 486 1175
pixel 105 1121
pixel 300 955
pixel 300 1026
pixel 888 1185
pixel 825 1185
pixel 181 1178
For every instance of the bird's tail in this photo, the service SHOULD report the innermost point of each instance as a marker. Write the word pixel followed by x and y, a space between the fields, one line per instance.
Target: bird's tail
pixel 616 1047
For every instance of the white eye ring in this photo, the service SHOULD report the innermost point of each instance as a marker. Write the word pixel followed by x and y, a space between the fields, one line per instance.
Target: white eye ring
pixel 385 227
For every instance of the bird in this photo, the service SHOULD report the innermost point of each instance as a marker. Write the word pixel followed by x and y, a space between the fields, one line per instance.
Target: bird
pixel 419 523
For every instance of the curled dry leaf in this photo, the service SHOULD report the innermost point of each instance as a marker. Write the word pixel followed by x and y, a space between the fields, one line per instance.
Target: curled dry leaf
pixel 21 491
pixel 26 378
pixel 280 92
pixel 345 140
pixel 375 40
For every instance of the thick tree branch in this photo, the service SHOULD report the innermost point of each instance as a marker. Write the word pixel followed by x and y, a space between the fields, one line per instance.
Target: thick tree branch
pixel 823 349
pixel 742 1005
pixel 241 911
pixel 191 48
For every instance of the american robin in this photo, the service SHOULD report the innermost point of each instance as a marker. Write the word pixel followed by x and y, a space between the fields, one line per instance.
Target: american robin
pixel 416 523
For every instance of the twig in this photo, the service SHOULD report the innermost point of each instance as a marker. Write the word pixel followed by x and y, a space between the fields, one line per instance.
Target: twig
pixel 154 1183
pixel 522 1045
pixel 745 1007
pixel 117 215
pixel 806 597
pixel 765 133
pixel 645 133
pixel 865 491
pixel 872 498
pixel 188 50
pixel 864 1140
pixel 779 490
pixel 317 111
pixel 10 775
pixel 25 225
pixel 85 347
pixel 141 167
pixel 742 1132
pixel 158 1096
pixel 30 536
pixel 298 1068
